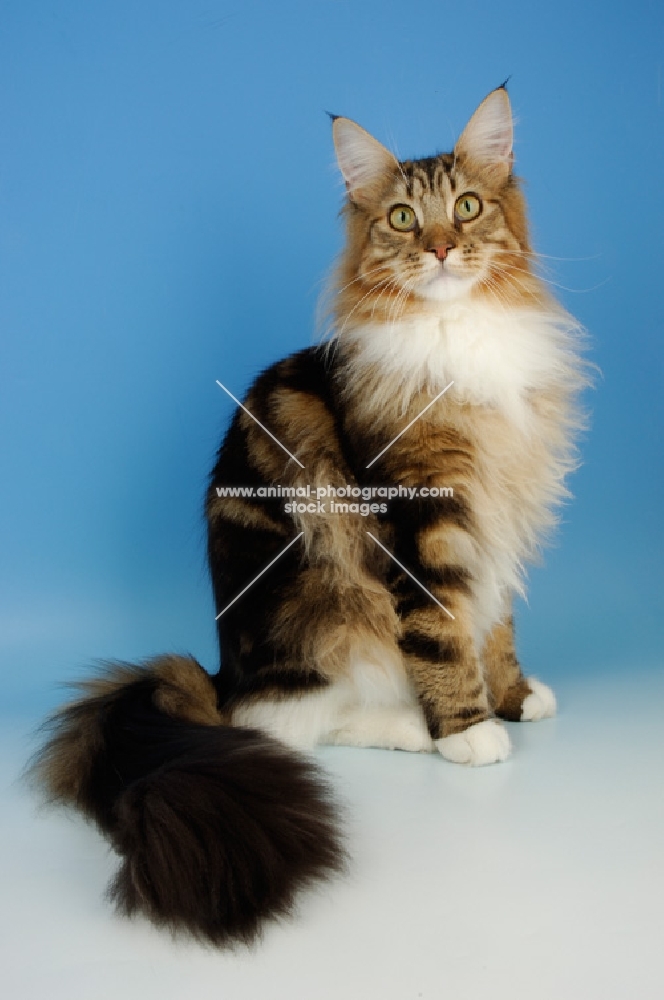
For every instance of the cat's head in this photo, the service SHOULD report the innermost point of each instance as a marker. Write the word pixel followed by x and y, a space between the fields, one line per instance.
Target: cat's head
pixel 437 229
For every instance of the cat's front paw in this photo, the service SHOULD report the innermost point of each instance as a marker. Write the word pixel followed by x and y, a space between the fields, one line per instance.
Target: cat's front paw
pixel 540 703
pixel 484 743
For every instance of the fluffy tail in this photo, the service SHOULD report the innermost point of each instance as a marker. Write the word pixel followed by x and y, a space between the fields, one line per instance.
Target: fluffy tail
pixel 217 827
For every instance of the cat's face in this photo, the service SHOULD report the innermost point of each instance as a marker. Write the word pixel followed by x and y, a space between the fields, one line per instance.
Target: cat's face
pixel 435 229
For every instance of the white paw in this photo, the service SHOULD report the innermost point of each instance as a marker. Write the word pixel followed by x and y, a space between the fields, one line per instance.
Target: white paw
pixel 539 704
pixel 484 743
pixel 410 733
pixel 387 728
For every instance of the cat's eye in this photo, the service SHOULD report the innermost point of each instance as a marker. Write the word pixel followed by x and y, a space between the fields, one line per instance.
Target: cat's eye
pixel 402 218
pixel 467 207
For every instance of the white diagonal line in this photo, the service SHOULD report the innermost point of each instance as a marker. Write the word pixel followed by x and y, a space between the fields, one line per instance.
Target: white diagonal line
pixel 414 420
pixel 264 570
pixel 401 566
pixel 262 426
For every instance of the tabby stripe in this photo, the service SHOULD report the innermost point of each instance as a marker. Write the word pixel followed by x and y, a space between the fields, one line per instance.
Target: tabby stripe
pixel 415 601
pixel 278 681
pixel 451 578
pixel 432 716
pixel 425 648
pixel 427 512
pixel 470 714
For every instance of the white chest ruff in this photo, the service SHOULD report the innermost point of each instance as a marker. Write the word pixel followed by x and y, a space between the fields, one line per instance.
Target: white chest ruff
pixel 495 356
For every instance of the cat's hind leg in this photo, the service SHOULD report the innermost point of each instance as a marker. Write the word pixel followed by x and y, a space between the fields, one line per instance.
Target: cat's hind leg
pixel 515 697
pixel 300 720
pixel 332 716
pixel 386 727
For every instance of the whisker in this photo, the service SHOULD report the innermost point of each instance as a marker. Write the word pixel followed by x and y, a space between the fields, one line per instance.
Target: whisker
pixel 359 303
pixel 547 256
pixel 400 302
pixel 360 277
pixel 391 284
pixel 548 281
pixel 495 290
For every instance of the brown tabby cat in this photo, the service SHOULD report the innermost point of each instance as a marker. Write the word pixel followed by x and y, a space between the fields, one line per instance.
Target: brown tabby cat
pixel 447 387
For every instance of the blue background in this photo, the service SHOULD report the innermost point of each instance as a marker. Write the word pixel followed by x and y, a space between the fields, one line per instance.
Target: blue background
pixel 168 210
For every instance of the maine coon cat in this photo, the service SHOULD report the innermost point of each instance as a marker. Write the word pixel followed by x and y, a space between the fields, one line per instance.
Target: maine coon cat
pixel 384 624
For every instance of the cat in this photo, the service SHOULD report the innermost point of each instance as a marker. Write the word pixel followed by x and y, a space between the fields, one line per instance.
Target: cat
pixel 374 615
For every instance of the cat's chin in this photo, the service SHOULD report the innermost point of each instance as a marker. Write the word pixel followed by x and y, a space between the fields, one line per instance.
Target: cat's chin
pixel 446 287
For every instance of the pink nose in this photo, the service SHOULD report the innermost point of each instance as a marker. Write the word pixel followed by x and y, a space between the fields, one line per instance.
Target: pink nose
pixel 442 250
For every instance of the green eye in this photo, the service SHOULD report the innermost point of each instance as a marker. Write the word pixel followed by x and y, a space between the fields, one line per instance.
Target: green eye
pixel 402 218
pixel 467 206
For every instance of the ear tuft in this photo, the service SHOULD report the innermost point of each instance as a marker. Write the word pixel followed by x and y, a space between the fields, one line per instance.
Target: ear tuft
pixel 365 164
pixel 488 136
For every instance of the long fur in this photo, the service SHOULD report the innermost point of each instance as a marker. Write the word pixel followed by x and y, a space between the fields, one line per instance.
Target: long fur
pixel 217 827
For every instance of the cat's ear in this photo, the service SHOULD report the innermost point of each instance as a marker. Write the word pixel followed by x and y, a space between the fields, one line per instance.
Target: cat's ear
pixel 488 136
pixel 365 164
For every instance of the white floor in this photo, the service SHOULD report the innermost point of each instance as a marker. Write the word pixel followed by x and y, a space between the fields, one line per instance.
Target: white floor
pixel 542 877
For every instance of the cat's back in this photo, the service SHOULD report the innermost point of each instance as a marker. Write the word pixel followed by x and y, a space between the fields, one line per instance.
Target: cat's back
pixel 292 396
